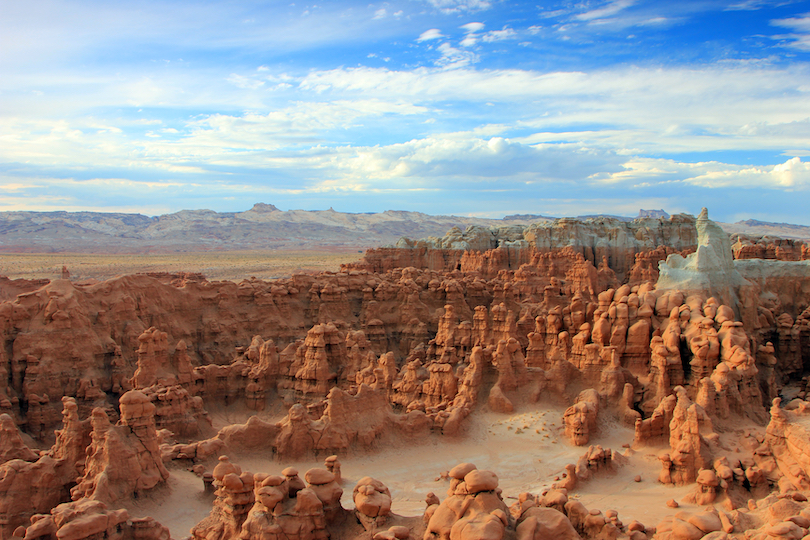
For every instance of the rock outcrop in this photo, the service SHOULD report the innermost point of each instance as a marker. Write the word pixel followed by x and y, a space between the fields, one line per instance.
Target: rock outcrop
pixel 117 379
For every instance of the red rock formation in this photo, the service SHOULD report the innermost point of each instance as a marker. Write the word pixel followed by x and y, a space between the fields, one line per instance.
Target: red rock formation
pixel 28 488
pixel 511 315
pixel 580 418
pixel 11 442
pixel 689 451
pixel 122 459
pixel 261 506
pixel 472 509
pixel 89 519
pixel 782 249
pixel 594 239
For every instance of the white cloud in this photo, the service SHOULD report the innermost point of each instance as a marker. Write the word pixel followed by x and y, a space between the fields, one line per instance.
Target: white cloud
pixel 654 21
pixel 554 13
pixel 453 58
pixel 749 5
pixel 472 27
pixel 471 37
pixel 458 6
pixel 610 9
pixel 458 159
pixel 380 13
pixel 793 174
pixel 433 33
pixel 499 35
pixel 725 107
pixel 12 187
pixel 801 24
pixel 800 39
pixel 245 82
pixel 216 138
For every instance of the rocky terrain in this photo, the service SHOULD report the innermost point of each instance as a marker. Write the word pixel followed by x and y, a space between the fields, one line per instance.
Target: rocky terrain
pixel 594 379
pixel 265 227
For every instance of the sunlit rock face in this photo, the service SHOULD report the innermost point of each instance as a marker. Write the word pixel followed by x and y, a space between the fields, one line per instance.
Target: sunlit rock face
pixel 744 285
pixel 709 270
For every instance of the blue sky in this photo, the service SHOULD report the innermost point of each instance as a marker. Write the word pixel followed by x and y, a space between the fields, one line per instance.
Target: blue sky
pixel 466 107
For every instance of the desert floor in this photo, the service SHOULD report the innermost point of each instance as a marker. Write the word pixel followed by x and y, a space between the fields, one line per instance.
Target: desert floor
pixel 215 265
pixel 526 449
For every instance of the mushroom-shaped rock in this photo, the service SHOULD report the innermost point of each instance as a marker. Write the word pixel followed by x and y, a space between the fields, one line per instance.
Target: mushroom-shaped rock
pixel 318 477
pixel 225 467
pixel 323 484
pixel 372 498
pixel 273 480
pixel 294 482
pixel 461 470
pixel 135 404
pixel 232 482
pixel 478 481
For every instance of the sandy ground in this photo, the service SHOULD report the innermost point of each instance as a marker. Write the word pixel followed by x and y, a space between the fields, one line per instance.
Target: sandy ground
pixel 215 265
pixel 526 450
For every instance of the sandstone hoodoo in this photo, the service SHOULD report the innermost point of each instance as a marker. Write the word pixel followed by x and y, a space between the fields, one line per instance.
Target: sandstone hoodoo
pixel 658 353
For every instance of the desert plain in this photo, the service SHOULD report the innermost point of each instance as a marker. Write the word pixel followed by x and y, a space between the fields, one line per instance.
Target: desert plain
pixel 215 265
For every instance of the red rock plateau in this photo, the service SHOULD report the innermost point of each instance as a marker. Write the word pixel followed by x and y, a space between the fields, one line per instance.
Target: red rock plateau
pixel 645 335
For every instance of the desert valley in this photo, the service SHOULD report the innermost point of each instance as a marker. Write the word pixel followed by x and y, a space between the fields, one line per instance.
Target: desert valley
pixel 530 378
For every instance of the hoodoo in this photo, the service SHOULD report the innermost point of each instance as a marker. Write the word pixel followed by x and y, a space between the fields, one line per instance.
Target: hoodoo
pixel 648 336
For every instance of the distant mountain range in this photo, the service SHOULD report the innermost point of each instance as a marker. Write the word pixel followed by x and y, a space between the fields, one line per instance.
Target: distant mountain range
pixel 263 227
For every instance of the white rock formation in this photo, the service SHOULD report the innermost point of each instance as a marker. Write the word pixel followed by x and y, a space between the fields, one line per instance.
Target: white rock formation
pixel 709 270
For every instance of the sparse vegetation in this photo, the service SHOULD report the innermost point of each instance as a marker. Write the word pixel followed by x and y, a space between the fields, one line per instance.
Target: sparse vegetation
pixel 215 265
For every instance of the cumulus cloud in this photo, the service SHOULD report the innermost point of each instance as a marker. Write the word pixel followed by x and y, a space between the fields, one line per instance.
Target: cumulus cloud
pixel 793 174
pixel 472 159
